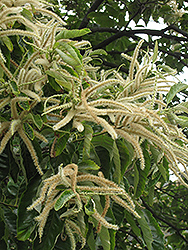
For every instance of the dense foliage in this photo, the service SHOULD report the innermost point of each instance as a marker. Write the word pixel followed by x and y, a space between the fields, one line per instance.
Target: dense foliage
pixel 85 151
pixel 117 25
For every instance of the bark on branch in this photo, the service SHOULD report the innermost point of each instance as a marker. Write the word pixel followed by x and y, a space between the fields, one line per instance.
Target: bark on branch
pixel 165 221
pixel 93 7
pixel 131 33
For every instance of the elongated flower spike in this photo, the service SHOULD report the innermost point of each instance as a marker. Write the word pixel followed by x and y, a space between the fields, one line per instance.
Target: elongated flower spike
pixel 70 177
pixel 129 107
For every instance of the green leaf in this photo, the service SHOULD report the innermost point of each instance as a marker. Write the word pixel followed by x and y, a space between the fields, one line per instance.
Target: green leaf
pixel 155 153
pixel 29 130
pixel 81 223
pixel 89 207
pixel 2 119
pixel 112 239
pixel 25 222
pixel 99 52
pixel 162 171
pixel 167 69
pixel 24 105
pixel 72 51
pixel 146 231
pixel 67 58
pixel 126 153
pixel 174 90
pixel 178 120
pixel 60 144
pixel 52 230
pixel 151 195
pixel 88 165
pixel 65 196
pixel 155 178
pixel 16 154
pixel 12 187
pixel 117 162
pixel 59 78
pixel 132 223
pixel 27 14
pixel 10 220
pixel 157 234
pixel 64 84
pixel 91 241
pixel 139 189
pixel 55 74
pixel 6 40
pixel 182 121
pixel 105 238
pixel 182 107
pixel 70 70
pixel 104 234
pixel 53 83
pixel 67 34
pixel 88 135
pixel 14 87
pixel 37 121
pixel 155 52
pixel 110 145
pixel 119 213
pixel 4 166
pixel 136 178
pixel 2 228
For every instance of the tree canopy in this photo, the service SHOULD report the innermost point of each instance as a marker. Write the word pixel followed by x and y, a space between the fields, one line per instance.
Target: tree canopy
pixel 92 126
pixel 116 27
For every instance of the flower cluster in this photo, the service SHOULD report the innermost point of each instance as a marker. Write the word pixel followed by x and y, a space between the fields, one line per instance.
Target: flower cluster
pixel 69 89
pixel 80 192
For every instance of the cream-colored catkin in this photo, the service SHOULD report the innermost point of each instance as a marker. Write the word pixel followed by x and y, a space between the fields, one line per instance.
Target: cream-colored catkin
pixel 31 94
pixel 6 70
pixel 21 19
pixel 124 204
pixel 4 102
pixel 14 125
pixel 40 136
pixel 65 120
pixel 2 57
pixel 104 222
pixel 18 32
pixel 41 197
pixel 134 58
pixel 5 140
pixel 105 210
pixel 31 149
pixel 77 230
pixel 13 102
pixel 71 236
pixel 42 218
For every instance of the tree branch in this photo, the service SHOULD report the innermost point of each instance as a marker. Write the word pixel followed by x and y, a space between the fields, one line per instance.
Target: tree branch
pixel 174 54
pixel 93 7
pixel 103 29
pixel 175 28
pixel 8 205
pixel 130 33
pixel 166 222
pixel 134 236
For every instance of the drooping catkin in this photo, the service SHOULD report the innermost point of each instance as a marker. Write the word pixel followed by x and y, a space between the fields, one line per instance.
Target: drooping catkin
pixel 104 222
pixel 65 120
pixel 31 149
